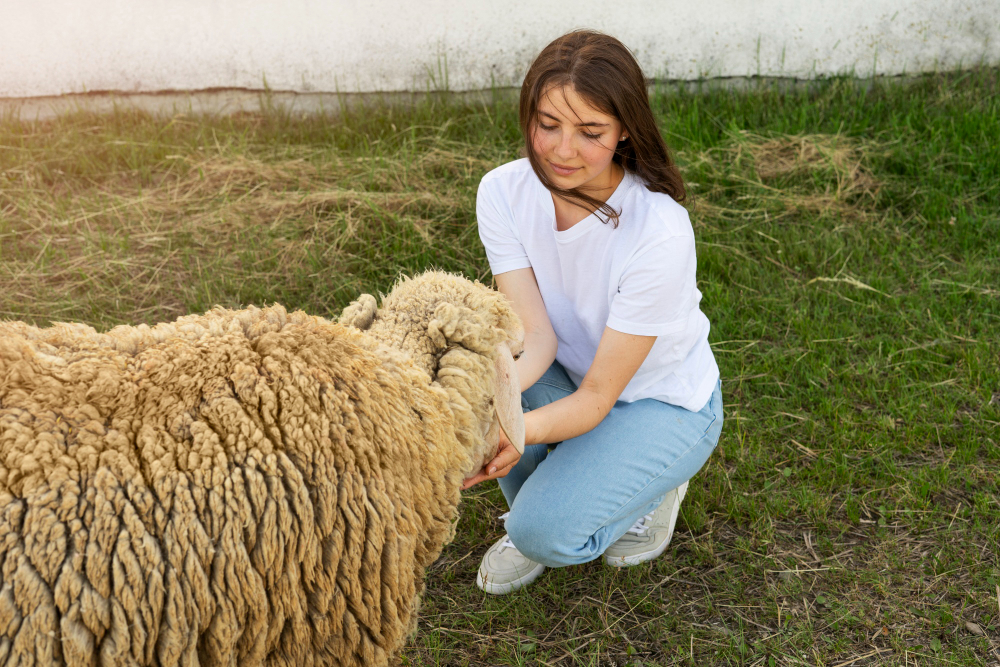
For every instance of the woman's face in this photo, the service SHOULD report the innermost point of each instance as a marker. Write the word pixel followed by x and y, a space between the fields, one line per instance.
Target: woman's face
pixel 574 142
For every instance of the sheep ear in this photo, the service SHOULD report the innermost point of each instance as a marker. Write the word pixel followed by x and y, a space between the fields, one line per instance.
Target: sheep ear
pixel 507 398
pixel 360 313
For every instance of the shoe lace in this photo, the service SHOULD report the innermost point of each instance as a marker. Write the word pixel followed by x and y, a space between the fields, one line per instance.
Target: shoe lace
pixel 640 527
pixel 506 538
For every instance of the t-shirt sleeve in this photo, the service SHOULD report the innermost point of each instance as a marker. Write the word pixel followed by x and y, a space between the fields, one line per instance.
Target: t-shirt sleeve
pixel 657 291
pixel 497 230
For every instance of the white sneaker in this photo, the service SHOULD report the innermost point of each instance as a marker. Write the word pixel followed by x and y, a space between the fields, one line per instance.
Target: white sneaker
pixel 505 569
pixel 650 535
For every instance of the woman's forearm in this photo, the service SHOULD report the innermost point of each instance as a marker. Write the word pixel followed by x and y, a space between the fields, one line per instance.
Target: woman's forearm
pixel 540 341
pixel 618 357
pixel 566 418
pixel 539 353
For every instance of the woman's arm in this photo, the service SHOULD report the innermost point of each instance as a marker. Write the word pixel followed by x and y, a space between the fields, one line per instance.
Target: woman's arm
pixel 618 357
pixel 540 342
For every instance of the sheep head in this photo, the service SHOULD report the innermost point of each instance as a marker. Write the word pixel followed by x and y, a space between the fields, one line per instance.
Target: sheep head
pixel 466 337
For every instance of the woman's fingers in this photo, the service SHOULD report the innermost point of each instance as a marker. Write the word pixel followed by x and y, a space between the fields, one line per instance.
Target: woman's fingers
pixel 499 466
pixel 475 479
pixel 506 457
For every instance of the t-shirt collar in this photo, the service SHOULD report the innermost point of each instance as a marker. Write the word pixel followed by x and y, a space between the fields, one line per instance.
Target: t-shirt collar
pixel 588 223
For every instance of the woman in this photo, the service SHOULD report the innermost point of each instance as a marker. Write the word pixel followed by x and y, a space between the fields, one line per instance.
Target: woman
pixel 587 239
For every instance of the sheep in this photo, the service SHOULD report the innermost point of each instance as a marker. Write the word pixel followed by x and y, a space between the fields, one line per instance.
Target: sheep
pixel 244 487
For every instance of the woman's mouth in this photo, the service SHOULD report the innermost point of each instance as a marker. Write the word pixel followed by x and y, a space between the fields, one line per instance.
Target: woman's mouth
pixel 563 170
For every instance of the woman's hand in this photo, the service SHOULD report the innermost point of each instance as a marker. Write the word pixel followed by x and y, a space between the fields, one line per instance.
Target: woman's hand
pixel 502 463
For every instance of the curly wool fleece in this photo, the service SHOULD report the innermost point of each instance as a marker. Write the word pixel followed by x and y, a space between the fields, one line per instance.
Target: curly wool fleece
pixel 242 487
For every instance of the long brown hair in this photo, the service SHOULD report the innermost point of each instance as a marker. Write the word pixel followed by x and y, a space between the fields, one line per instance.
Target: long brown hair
pixel 604 73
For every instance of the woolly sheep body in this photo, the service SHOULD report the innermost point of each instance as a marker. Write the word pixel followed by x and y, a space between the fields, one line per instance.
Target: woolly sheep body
pixel 236 488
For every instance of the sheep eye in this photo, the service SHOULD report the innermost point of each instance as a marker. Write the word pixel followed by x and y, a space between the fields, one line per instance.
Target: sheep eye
pixel 518 356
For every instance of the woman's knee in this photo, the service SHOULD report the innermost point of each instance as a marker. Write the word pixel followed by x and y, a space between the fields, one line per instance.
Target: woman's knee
pixel 532 538
pixel 548 540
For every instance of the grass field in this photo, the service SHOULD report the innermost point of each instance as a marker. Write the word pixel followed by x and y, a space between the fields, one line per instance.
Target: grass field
pixel 849 256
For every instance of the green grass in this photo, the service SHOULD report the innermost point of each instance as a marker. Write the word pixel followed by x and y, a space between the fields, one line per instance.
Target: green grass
pixel 849 256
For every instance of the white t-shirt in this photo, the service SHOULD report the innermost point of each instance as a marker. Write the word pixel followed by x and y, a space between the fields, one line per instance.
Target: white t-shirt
pixel 637 278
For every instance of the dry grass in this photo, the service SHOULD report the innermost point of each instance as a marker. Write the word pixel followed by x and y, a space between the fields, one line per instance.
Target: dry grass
pixel 137 247
pixel 789 176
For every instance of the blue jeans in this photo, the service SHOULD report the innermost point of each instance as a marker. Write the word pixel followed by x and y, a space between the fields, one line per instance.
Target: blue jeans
pixel 570 503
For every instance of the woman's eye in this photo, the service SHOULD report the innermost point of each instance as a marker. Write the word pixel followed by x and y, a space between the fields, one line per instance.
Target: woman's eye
pixel 547 128
pixel 591 136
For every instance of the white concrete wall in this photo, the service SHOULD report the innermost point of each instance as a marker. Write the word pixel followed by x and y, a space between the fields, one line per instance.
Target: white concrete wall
pixel 52 47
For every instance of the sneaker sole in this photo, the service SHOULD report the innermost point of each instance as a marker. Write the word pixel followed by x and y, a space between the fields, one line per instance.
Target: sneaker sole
pixel 509 586
pixel 636 559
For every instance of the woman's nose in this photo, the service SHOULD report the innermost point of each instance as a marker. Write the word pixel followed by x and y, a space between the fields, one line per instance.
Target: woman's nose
pixel 565 147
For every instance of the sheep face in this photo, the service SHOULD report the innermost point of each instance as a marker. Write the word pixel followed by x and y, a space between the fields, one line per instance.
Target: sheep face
pixel 466 337
pixel 477 369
